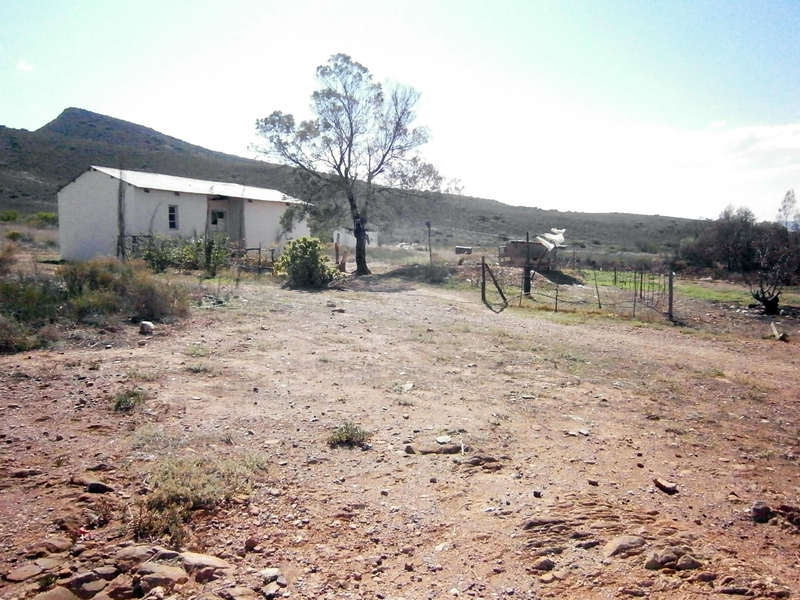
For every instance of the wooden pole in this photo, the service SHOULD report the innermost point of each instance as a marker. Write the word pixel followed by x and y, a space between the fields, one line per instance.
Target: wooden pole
pixel 557 286
pixel 635 292
pixel 597 289
pixel 430 250
pixel 483 279
pixel 259 259
pixel 669 309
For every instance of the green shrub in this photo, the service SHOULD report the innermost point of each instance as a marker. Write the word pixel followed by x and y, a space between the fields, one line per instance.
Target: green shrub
pixel 108 286
pixel 7 258
pixel 160 253
pixel 15 236
pixel 8 216
pixel 211 254
pixel 93 303
pixel 129 400
pixel 305 263
pixel 42 219
pixel 350 435
pixel 151 299
pixel 30 299
pixel 14 337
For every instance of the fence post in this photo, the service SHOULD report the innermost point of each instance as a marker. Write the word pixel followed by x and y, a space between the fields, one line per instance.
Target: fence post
pixel 483 279
pixel 597 289
pixel 259 258
pixel 669 309
pixel 557 286
pixel 615 276
pixel 635 292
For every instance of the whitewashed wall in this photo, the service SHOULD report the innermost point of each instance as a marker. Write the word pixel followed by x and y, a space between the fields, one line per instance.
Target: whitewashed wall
pixel 262 224
pixel 147 213
pixel 87 217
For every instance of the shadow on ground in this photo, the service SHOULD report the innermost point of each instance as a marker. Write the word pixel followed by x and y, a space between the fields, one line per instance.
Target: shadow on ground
pixel 401 279
pixel 559 278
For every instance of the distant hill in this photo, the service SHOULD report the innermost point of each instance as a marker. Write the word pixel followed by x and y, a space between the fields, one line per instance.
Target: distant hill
pixel 35 165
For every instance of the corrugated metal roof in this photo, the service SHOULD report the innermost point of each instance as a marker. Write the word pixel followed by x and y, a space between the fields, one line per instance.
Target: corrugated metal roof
pixel 170 183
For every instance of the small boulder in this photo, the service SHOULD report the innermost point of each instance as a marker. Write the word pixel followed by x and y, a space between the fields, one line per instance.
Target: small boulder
pixel 194 560
pixel 24 572
pixel 98 487
pixel 666 486
pixel 543 564
pixel 157 575
pixel 687 562
pixel 761 512
pixel 57 593
pixel 146 328
pixel 624 544
pixel 129 557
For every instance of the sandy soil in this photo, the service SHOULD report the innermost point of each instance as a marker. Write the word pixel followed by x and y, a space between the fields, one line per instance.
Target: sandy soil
pixel 564 426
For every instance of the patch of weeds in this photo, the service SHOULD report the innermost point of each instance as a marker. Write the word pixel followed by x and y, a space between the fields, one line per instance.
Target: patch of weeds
pixel 197 350
pixel 675 430
pixel 404 402
pixel 203 481
pixel 45 582
pixel 198 368
pixel 151 525
pixel 129 400
pixel 350 435
pixel 181 485
pixel 153 437
pixel 142 375
pixel 711 372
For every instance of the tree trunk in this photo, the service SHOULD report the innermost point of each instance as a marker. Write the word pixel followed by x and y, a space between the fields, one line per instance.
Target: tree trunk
pixel 771 305
pixel 361 237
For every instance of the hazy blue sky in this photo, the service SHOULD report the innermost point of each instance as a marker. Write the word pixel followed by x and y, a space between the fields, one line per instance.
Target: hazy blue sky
pixel 675 107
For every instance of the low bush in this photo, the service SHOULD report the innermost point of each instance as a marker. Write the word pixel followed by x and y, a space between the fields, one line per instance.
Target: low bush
pixel 181 485
pixel 350 435
pixel 305 263
pixel 108 286
pixel 82 292
pixel 9 216
pixel 30 299
pixel 129 400
pixel 15 235
pixel 14 337
pixel 7 258
pixel 42 219
pixel 211 254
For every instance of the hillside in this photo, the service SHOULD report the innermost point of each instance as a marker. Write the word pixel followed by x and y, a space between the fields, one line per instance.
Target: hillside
pixel 35 165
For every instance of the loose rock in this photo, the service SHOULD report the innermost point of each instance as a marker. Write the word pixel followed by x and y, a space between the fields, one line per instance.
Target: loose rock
pixel 624 544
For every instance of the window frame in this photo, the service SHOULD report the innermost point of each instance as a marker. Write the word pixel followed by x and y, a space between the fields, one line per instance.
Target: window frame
pixel 172 217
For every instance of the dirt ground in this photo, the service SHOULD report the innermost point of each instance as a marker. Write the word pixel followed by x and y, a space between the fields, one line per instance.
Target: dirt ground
pixel 559 425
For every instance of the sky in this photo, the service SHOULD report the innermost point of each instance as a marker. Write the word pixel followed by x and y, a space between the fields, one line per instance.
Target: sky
pixel 670 107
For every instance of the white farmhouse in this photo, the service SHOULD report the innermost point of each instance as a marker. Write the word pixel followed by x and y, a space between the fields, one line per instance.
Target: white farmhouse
pixel 89 210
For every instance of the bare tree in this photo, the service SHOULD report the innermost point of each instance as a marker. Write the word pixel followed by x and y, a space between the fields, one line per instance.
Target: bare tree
pixel 775 259
pixel 787 212
pixel 361 139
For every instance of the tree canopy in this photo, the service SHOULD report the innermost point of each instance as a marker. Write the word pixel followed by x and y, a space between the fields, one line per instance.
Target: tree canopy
pixel 362 138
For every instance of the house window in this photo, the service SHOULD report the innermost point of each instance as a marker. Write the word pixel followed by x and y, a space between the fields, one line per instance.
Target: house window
pixel 173 216
pixel 217 216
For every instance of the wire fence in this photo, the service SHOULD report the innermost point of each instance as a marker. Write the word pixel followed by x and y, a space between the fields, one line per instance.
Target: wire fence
pixel 637 294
